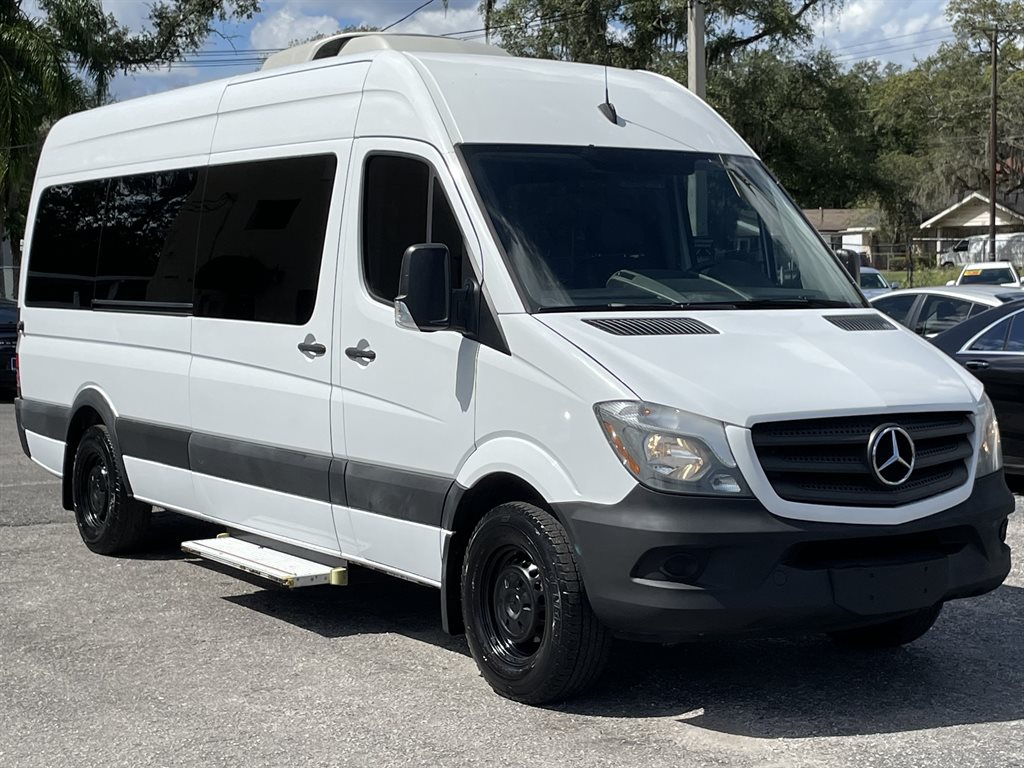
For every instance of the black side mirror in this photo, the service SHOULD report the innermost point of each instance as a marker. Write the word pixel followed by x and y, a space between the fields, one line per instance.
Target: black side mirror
pixel 424 289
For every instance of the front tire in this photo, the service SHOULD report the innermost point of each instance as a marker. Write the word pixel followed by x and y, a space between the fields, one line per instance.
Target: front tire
pixel 889 634
pixel 529 624
pixel 110 522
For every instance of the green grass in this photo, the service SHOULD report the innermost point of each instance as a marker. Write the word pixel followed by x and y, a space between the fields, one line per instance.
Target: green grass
pixel 923 277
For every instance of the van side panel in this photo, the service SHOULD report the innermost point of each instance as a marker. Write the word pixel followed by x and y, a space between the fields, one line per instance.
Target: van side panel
pixel 281 110
pixel 251 385
pixel 135 362
pixel 138 363
pixel 155 129
pixel 535 417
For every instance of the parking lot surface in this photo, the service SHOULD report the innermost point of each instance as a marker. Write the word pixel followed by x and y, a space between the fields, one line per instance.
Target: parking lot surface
pixel 155 660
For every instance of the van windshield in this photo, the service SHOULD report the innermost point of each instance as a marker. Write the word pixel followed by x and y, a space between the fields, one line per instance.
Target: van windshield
pixel 592 228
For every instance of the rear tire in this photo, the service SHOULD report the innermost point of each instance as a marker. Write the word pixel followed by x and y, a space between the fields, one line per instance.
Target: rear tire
pixel 529 624
pixel 889 634
pixel 110 522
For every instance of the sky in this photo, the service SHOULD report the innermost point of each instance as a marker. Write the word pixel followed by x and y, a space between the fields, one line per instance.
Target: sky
pixel 889 30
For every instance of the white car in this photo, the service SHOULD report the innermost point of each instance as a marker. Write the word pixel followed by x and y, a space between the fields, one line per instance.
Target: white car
pixel 988 273
pixel 578 364
pixel 930 311
pixel 873 283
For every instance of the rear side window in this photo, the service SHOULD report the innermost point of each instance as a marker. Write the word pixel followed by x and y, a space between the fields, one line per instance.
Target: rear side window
pixel 993 339
pixel 65 243
pixel 147 254
pixel 261 241
pixel 896 307
pixel 940 313
pixel 404 204
pixel 1015 339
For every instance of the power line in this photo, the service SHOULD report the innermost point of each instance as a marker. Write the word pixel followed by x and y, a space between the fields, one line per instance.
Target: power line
pixel 881 48
pixel 945 29
pixel 409 15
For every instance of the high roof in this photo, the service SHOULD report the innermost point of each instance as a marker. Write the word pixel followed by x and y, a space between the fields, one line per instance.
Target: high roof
pixel 437 97
pixel 351 43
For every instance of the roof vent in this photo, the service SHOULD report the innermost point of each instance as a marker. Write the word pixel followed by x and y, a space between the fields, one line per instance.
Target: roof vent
pixel 652 326
pixel 860 322
pixel 362 42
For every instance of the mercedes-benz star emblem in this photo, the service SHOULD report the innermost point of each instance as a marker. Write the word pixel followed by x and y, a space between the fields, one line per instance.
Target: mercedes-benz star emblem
pixel 891 454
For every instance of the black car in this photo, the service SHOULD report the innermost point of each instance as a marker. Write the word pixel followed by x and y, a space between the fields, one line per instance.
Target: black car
pixel 8 341
pixel 991 346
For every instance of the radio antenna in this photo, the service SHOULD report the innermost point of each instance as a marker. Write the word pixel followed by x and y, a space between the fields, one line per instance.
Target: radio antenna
pixel 608 109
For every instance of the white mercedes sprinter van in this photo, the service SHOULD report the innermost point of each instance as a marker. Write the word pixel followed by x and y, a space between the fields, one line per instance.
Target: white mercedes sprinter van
pixel 575 360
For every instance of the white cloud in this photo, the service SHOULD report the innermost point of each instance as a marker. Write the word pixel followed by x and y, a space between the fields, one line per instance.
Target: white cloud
pixel 289 25
pixel 131 13
pixel 439 22
pixel 888 30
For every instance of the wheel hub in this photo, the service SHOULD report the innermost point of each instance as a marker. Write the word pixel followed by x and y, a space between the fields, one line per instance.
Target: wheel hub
pixel 97 494
pixel 516 602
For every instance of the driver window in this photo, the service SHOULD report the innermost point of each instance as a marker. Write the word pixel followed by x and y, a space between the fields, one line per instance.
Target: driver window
pixel 404 204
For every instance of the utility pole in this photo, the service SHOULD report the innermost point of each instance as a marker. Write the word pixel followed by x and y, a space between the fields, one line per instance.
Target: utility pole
pixel 992 33
pixel 696 65
pixel 992 139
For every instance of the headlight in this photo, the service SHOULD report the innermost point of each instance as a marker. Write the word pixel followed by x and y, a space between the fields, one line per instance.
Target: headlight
pixel 671 450
pixel 990 452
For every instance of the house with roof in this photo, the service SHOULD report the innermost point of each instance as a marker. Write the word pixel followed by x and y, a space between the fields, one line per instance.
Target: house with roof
pixel 967 218
pixel 852 228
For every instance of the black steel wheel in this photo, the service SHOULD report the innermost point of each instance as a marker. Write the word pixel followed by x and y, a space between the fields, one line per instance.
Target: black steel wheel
pixel 889 634
pixel 529 625
pixel 109 520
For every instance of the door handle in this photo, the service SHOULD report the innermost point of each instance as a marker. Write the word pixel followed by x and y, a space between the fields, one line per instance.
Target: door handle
pixel 366 355
pixel 314 348
pixel 976 365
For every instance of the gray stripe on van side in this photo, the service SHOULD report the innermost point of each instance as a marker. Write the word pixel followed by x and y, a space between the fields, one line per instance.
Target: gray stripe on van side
pixel 396 493
pixel 387 491
pixel 45 419
pixel 153 442
pixel 277 469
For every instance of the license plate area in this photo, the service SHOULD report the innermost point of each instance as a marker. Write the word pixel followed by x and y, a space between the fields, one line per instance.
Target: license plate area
pixel 876 589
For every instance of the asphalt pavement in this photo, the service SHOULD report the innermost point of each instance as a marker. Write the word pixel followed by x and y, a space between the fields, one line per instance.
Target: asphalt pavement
pixel 156 660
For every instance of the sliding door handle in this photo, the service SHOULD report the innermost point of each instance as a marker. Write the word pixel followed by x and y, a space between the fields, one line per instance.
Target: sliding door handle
pixel 366 355
pixel 313 348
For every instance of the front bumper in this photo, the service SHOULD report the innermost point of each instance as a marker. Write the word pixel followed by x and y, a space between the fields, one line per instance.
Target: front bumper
pixel 665 568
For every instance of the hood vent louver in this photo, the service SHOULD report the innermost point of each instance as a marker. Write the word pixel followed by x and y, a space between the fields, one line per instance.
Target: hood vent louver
pixel 651 326
pixel 860 322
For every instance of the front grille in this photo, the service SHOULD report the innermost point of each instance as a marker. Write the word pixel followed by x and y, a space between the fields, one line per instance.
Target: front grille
pixel 825 461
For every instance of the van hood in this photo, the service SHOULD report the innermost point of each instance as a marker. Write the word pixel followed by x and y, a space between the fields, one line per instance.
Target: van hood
pixel 775 365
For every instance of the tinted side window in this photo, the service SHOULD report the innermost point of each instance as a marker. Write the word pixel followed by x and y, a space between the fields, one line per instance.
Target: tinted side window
pixel 993 339
pixel 939 313
pixel 394 217
pixel 896 307
pixel 151 222
pixel 65 242
pixel 398 195
pixel 1015 339
pixel 261 240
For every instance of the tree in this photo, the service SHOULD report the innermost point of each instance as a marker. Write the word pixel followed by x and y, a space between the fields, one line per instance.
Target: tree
pixel 645 34
pixel 932 121
pixel 807 120
pixel 63 60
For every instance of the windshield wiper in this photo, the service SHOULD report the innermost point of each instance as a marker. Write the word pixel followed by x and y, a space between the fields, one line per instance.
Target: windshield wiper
pixel 796 301
pixel 617 307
